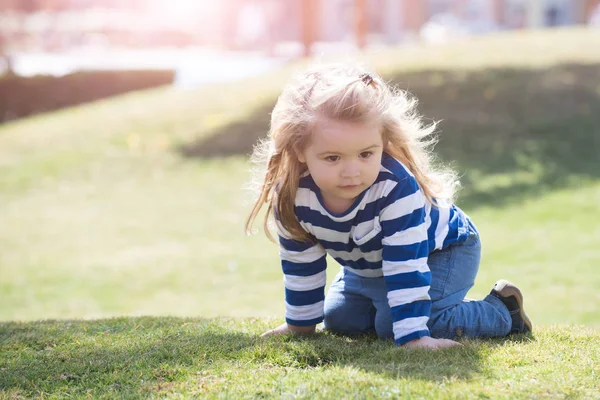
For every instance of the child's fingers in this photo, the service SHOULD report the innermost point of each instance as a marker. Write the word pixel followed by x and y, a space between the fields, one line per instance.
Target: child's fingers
pixel 449 343
pixel 268 333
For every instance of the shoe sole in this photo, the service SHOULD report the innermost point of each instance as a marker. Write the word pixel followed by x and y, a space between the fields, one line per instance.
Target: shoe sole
pixel 507 289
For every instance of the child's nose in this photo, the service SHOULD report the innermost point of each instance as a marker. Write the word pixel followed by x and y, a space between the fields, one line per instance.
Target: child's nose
pixel 350 171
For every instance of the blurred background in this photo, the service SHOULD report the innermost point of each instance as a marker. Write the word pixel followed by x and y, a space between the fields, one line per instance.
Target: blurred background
pixel 188 43
pixel 125 130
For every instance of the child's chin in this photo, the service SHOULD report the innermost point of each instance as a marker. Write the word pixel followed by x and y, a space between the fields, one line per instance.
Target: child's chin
pixel 350 194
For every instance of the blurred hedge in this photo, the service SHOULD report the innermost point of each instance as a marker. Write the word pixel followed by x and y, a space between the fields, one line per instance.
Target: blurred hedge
pixel 23 96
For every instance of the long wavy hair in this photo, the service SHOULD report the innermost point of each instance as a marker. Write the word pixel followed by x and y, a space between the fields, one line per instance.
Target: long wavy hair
pixel 348 93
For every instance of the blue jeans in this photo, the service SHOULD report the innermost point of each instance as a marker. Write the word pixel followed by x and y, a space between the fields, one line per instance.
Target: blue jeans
pixel 359 305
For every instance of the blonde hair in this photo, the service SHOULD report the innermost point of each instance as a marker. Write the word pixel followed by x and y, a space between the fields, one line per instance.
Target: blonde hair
pixel 347 93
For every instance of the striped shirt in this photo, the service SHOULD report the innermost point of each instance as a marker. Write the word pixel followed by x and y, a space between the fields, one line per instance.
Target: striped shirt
pixel 389 231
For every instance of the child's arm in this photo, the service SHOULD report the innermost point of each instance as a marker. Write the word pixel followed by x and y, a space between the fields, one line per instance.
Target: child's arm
pixel 304 279
pixel 404 263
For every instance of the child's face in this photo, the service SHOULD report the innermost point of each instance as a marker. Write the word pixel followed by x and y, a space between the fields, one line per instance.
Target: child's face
pixel 343 159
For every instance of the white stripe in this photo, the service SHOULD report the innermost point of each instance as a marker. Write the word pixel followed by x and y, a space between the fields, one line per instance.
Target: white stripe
pixel 366 273
pixel 355 255
pixel 281 231
pixel 405 296
pixel 415 234
pixel 403 206
pixel 441 230
pixel 379 190
pixel 428 215
pixel 303 283
pixel 366 226
pixel 363 232
pixel 306 198
pixel 301 313
pixel 398 267
pixel 329 235
pixel 307 256
pixel 384 169
pixel 409 325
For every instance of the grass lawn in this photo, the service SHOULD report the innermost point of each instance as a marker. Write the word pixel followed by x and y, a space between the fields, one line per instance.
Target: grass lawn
pixel 224 358
pixel 135 206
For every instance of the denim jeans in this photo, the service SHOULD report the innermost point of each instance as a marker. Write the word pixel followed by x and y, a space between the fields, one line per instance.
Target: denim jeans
pixel 355 304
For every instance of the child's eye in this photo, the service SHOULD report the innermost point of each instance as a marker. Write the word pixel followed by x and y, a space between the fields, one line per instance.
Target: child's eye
pixel 332 158
pixel 366 154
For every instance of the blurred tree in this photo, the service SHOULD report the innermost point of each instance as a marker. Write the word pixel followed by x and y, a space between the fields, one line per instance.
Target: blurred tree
pixel 10 36
pixel 310 17
pixel 15 34
pixel 360 20
pixel 5 60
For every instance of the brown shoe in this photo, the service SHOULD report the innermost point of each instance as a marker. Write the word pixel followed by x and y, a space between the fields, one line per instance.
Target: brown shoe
pixel 512 298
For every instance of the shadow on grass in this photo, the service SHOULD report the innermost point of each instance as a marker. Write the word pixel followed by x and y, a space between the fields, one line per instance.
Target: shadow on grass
pixel 132 356
pixel 234 139
pixel 116 357
pixel 511 133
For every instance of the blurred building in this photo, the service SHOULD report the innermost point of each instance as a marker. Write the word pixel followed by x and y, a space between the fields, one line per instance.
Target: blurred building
pixel 254 24
pixel 394 20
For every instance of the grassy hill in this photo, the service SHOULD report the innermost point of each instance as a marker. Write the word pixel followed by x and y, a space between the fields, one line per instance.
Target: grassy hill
pixel 135 206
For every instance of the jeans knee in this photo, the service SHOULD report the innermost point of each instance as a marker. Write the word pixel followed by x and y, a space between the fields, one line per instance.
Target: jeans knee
pixel 340 320
pixel 332 320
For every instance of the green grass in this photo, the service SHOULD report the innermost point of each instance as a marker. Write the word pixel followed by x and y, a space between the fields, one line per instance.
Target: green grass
pixel 224 358
pixel 135 206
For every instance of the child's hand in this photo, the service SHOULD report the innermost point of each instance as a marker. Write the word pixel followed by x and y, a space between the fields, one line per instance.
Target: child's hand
pixel 280 330
pixel 285 328
pixel 427 342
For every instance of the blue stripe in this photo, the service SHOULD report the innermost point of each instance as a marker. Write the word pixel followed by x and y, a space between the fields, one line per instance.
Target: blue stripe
pixel 308 183
pixel 405 187
pixel 359 264
pixel 411 337
pixel 369 211
pixel 415 218
pixel 406 252
pixel 304 269
pixel 385 176
pixel 458 227
pixel 304 298
pixel 416 309
pixel 308 322
pixel 337 246
pixel 372 244
pixel 395 167
pixel 407 280
pixel 448 240
pixel 314 217
pixel 294 245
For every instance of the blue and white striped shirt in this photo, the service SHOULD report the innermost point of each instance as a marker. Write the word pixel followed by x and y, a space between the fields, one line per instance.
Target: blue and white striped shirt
pixel 389 231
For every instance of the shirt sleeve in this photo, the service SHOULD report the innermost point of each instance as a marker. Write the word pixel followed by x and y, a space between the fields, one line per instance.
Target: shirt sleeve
pixel 304 277
pixel 404 260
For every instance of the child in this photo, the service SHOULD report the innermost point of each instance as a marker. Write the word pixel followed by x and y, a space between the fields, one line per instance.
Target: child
pixel 349 174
